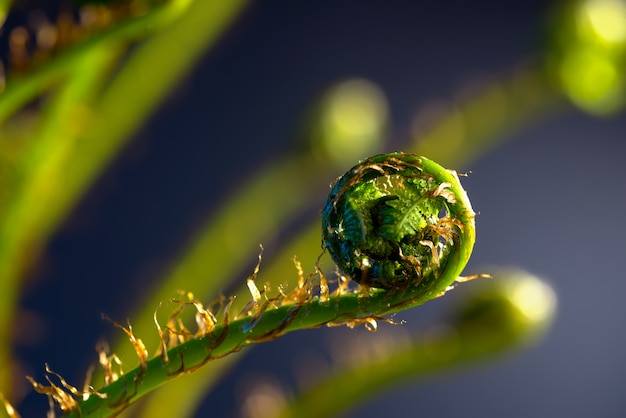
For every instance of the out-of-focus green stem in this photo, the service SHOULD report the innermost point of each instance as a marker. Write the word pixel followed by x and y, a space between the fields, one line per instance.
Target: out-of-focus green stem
pixel 5 5
pixel 23 88
pixel 140 85
pixel 476 123
pixel 143 83
pixel 502 316
pixel 26 220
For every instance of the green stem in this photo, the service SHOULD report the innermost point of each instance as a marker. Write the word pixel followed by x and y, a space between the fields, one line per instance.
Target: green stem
pixel 269 320
pixel 232 337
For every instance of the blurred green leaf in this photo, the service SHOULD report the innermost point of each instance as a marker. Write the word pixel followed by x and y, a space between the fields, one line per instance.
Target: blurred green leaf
pixel 79 138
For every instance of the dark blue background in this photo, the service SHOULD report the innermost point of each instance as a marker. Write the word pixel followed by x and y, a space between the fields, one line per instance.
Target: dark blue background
pixel 551 200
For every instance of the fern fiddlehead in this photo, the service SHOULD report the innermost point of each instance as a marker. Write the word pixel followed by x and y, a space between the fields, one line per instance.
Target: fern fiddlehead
pixel 399 224
pixel 395 219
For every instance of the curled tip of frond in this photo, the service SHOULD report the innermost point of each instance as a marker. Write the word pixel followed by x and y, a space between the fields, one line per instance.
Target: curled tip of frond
pixel 398 221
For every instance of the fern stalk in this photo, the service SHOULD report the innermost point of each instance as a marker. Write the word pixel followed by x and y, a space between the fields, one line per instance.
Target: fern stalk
pixel 309 305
